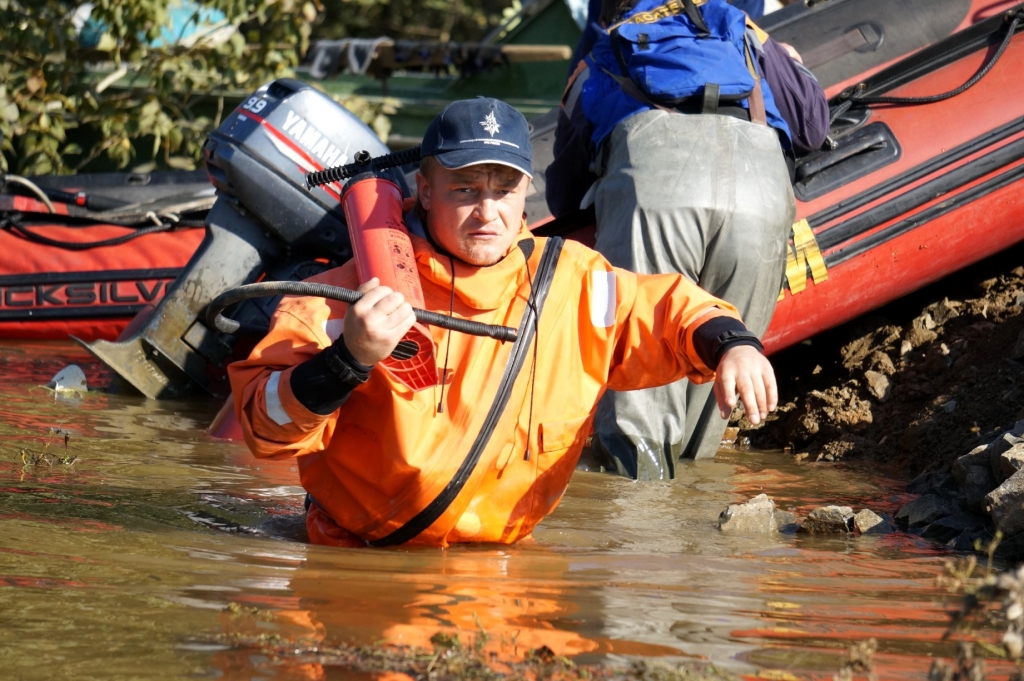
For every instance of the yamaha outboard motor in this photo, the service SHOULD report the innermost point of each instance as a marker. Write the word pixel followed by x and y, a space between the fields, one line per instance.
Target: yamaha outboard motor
pixel 264 223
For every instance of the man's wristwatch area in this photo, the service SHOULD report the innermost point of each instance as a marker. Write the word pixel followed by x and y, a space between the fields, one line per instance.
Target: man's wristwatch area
pixel 718 334
pixel 323 383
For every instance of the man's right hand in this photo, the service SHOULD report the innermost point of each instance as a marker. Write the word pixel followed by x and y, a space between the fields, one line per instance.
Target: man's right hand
pixel 375 324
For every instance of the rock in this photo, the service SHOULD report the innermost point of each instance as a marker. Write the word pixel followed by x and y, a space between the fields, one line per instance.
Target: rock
pixel 978 482
pixel 930 481
pixel 963 542
pixel 756 516
pixel 973 475
pixel 879 385
pixel 1006 504
pixel 828 520
pixel 905 347
pixel 853 354
pixel 924 510
pixel 786 522
pixel 1003 443
pixel 69 379
pixel 882 363
pixel 1010 461
pixel 868 522
pixel 949 407
pixel 995 450
pixel 836 449
pixel 918 336
pixel 925 321
pixel 841 406
pixel 1018 429
pixel 945 310
pixel 952 526
pixel 985 284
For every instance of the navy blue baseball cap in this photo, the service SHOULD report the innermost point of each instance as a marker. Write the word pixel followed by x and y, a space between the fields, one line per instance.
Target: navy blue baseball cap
pixel 475 131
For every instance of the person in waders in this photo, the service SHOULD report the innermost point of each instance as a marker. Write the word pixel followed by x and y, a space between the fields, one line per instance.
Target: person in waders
pixel 487 451
pixel 678 127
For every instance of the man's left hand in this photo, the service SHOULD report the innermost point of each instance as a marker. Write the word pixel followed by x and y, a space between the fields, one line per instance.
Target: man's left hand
pixel 744 372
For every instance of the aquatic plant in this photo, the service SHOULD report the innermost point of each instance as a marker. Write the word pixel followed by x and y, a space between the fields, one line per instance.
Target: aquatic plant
pixel 453 656
pixel 860 660
pixel 45 458
pixel 989 598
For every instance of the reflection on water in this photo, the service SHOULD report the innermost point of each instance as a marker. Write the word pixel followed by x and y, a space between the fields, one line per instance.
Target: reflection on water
pixel 124 562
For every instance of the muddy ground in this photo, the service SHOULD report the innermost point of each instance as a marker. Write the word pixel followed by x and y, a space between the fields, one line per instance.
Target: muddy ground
pixel 913 385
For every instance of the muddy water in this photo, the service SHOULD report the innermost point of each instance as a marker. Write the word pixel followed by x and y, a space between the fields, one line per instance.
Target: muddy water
pixel 121 565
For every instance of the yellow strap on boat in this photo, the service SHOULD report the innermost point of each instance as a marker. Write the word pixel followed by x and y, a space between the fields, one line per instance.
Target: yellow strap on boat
pixel 804 254
pixel 669 9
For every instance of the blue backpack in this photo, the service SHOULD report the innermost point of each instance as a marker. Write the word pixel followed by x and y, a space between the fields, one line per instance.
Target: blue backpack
pixel 686 55
pixel 676 52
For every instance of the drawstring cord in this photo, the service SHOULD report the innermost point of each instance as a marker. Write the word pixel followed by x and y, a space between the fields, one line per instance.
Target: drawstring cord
pixel 448 342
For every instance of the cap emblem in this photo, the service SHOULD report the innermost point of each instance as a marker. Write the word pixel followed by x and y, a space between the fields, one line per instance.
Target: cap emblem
pixel 490 124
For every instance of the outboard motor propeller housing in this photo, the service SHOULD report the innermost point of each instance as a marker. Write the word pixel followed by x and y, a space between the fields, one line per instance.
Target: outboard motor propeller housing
pixel 257 160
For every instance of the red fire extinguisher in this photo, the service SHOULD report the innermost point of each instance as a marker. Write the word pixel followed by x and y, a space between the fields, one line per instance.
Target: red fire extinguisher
pixel 382 248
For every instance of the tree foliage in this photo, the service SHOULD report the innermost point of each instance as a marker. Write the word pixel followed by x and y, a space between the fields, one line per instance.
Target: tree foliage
pixel 133 99
pixel 463 20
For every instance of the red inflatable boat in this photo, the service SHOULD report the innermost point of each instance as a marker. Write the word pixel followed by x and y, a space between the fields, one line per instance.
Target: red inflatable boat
pixel 908 194
pixel 111 246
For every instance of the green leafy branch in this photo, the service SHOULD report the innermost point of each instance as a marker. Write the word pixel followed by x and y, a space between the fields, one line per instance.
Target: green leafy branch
pixel 131 97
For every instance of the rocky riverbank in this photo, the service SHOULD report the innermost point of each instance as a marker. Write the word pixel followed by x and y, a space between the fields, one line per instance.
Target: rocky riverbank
pixel 931 389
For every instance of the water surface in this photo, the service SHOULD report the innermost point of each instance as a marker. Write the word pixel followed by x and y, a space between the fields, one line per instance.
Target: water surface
pixel 122 565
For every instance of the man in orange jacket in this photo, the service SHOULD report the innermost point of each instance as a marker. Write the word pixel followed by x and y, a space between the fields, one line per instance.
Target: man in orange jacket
pixel 486 453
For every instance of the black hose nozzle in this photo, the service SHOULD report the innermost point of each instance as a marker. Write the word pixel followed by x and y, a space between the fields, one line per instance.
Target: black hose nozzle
pixel 362 163
pixel 303 288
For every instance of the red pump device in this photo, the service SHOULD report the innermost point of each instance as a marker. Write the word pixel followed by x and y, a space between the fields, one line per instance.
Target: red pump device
pixel 382 248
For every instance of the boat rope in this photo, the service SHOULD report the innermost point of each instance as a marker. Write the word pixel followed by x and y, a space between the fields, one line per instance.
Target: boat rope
pixel 855 100
pixel 35 237
pixel 31 186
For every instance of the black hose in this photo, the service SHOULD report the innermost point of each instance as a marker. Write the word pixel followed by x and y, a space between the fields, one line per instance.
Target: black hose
pixel 304 288
pixel 363 163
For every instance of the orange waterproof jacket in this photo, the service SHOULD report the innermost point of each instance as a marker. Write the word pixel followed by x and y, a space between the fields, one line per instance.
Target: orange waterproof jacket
pixel 387 452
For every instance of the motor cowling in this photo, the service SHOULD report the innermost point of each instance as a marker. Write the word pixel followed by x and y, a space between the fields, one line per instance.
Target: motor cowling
pixel 260 154
pixel 257 159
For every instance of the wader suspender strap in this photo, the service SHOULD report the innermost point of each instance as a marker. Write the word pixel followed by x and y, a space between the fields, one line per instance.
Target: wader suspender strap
pixel 520 350
pixel 755 103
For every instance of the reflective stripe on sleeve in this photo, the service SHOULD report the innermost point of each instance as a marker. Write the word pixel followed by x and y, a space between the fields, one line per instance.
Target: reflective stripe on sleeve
pixel 602 299
pixel 275 410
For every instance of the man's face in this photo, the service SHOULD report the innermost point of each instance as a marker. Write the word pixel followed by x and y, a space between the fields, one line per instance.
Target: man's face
pixel 473 213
